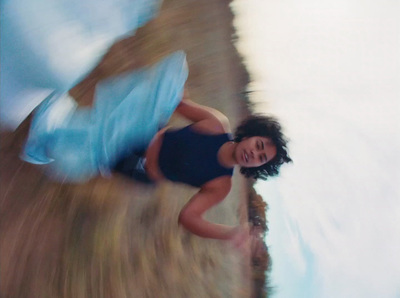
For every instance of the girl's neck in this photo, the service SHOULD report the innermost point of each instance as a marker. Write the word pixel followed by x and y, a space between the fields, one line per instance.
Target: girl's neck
pixel 226 154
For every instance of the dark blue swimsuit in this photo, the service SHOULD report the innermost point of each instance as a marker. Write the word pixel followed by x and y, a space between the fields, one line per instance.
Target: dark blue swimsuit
pixel 185 156
pixel 190 157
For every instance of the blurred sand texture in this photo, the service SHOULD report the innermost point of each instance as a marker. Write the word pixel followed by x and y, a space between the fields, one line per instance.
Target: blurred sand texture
pixel 114 237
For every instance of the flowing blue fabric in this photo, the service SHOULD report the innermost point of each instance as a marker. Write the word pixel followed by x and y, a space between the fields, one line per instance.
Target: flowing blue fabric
pixel 78 143
pixel 49 45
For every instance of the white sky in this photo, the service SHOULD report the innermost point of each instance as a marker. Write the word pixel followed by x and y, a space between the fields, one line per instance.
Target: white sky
pixel 330 70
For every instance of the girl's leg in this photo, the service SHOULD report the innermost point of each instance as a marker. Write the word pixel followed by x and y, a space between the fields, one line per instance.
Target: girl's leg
pixel 128 111
pixel 59 139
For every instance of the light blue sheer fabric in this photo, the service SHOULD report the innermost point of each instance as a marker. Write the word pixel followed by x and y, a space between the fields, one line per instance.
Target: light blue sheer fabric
pixel 78 143
pixel 49 45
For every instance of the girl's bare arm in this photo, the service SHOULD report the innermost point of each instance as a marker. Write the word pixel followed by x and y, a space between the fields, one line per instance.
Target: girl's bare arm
pixel 191 216
pixel 200 113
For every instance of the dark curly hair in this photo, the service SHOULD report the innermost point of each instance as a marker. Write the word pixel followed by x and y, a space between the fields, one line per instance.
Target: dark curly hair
pixel 269 127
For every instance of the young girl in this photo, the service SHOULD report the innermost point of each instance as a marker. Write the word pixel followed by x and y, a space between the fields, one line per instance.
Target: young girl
pixel 129 115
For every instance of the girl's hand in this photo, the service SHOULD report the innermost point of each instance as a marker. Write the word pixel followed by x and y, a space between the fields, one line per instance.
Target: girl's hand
pixel 246 239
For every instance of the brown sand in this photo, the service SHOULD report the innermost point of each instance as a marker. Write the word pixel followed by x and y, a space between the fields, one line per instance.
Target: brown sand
pixel 113 237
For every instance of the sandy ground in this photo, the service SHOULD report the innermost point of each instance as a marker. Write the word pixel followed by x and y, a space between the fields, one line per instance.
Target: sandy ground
pixel 113 237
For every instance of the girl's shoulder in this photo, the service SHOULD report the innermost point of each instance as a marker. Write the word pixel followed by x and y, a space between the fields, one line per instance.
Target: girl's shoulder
pixel 212 126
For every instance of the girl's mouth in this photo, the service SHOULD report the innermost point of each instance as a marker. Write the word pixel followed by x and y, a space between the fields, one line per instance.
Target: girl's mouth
pixel 245 157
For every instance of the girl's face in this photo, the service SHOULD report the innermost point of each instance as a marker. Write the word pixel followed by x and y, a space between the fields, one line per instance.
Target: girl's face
pixel 254 152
